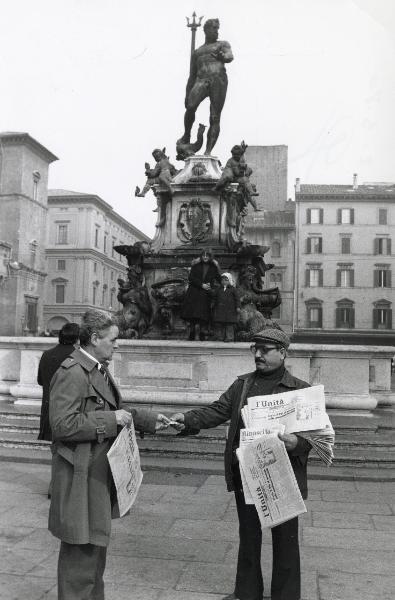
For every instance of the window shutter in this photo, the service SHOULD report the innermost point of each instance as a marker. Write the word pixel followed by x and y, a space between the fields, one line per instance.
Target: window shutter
pixel 308 215
pixel 352 317
pixel 388 245
pixel 321 215
pixel 389 318
pixel 376 245
pixel 339 216
pixel 338 277
pixel 308 245
pixel 375 278
pixel 375 318
pixel 307 278
pixel 352 278
pixel 338 314
pixel 388 279
pixel 352 216
pixel 320 245
pixel 320 317
pixel 321 278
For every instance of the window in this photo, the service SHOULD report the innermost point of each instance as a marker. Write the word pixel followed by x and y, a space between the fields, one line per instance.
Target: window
pixel 112 276
pixel 382 245
pixel 36 179
pixel 61 265
pixel 382 276
pixel 97 237
pixel 94 294
pixel 105 244
pixel 314 245
pixel 111 299
pixel 276 249
pixel 120 256
pixel 345 216
pixel 31 320
pixel 346 245
pixel 314 276
pixel 315 215
pixel 345 314
pixel 114 241
pixel 382 216
pixel 382 315
pixel 103 296
pixel 95 267
pixel 33 251
pixel 345 276
pixel 62 234
pixel 60 293
pixel 276 279
pixel 314 313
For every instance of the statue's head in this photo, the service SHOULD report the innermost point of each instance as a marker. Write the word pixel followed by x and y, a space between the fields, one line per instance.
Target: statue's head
pixel 211 28
pixel 157 154
pixel 237 151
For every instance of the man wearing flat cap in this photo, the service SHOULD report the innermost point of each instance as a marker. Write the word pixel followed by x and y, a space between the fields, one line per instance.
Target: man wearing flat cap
pixel 270 377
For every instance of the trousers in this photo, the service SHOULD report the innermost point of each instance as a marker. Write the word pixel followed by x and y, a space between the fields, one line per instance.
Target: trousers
pixel 286 560
pixel 80 571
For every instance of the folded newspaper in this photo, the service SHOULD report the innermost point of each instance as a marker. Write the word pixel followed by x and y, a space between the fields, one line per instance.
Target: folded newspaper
pixel 268 478
pixel 124 460
pixel 302 411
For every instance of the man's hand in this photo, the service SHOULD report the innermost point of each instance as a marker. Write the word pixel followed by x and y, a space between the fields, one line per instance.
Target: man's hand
pixel 206 286
pixel 290 440
pixel 123 417
pixel 162 422
pixel 178 421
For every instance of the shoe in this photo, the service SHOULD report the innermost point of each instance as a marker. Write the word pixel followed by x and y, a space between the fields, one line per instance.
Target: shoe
pixel 230 597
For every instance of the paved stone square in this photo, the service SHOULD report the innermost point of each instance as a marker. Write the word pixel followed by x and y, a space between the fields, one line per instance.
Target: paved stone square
pixel 180 541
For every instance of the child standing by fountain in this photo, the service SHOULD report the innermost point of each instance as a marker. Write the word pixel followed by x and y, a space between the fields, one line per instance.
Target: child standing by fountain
pixel 226 306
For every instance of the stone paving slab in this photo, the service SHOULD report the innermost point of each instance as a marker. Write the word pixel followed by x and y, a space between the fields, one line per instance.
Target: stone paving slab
pixel 345 586
pixel 348 538
pixel 342 520
pixel 204 530
pixel 339 559
pixel 349 507
pixel 148 572
pixel 384 523
pixel 13 587
pixel 168 548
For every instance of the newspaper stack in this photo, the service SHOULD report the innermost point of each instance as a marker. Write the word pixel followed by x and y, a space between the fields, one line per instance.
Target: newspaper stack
pixel 301 410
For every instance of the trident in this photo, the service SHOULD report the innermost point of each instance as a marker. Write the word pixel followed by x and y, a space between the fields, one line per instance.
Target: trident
pixel 193 25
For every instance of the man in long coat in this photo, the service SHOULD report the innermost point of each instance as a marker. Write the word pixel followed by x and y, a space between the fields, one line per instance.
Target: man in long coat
pixel 270 377
pixel 50 362
pixel 85 415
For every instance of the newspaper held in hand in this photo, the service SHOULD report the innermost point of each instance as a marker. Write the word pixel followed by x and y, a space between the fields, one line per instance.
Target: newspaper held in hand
pixel 124 460
pixel 246 437
pixel 271 480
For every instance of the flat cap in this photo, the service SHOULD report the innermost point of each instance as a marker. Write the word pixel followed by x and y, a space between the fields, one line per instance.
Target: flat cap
pixel 276 336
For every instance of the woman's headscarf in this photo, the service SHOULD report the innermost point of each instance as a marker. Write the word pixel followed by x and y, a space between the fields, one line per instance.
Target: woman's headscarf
pixel 230 278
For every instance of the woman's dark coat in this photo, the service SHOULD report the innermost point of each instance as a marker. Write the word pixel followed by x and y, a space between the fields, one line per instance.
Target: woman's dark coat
pixel 197 300
pixel 225 305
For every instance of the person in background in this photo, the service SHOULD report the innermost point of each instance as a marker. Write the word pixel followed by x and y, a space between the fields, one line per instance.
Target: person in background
pixel 50 362
pixel 196 309
pixel 226 308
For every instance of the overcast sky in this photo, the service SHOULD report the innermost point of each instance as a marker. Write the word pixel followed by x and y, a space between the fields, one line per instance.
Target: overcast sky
pixel 101 83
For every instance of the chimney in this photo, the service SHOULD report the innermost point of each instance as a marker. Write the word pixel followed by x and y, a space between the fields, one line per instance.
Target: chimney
pixel 297 185
pixel 355 181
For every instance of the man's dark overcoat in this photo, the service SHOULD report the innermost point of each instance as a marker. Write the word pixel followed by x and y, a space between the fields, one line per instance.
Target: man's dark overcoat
pixel 81 405
pixel 50 362
pixel 228 407
pixel 197 301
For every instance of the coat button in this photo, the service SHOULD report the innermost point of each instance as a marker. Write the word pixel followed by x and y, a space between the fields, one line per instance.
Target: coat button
pixel 100 401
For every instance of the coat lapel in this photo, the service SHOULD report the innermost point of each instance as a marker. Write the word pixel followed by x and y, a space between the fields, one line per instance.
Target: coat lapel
pixel 101 386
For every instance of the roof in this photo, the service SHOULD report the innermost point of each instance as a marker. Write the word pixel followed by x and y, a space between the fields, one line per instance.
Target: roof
pixel 367 189
pixel 62 195
pixel 18 137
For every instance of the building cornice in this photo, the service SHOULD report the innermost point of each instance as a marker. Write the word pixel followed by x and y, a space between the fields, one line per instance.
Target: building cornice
pixel 83 253
pixel 24 197
pixel 93 199
pixel 317 198
pixel 24 139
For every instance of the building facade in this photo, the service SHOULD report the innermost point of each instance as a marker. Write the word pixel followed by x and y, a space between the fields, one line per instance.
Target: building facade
pixel 345 258
pixel 270 175
pixel 82 265
pixel 24 166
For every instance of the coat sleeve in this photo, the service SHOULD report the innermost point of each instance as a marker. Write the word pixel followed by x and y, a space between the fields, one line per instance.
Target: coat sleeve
pixel 144 420
pixel 68 423
pixel 194 277
pixel 218 412
pixel 39 373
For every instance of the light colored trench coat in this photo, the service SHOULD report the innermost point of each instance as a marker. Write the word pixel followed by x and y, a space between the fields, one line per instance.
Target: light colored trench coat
pixel 83 498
